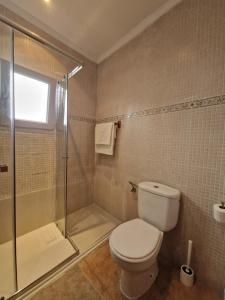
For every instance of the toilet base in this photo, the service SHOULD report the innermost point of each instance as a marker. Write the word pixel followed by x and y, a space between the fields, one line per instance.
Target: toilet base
pixel 134 284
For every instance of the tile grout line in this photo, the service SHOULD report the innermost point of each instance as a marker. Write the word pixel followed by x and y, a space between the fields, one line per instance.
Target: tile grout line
pixel 90 282
pixel 97 277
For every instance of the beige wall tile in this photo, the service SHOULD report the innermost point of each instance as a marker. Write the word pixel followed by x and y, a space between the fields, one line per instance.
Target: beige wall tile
pixel 178 59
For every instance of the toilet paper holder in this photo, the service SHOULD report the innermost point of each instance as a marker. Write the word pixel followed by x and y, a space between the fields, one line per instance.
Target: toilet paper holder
pixel 134 186
pixel 222 205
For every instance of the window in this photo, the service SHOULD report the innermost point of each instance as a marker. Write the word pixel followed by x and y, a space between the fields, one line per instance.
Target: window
pixel 34 99
pixel 31 99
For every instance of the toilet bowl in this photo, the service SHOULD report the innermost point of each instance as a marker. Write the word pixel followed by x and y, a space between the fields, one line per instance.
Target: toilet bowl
pixel 135 244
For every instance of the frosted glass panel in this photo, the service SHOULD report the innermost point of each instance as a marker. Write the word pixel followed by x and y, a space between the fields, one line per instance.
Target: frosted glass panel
pixel 31 99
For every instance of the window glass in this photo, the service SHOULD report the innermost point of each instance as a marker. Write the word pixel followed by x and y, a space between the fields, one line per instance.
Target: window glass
pixel 31 99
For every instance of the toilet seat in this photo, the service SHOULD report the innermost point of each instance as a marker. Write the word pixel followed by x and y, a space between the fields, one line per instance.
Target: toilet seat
pixel 135 241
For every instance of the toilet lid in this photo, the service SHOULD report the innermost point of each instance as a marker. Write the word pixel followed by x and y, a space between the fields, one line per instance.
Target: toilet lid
pixel 135 239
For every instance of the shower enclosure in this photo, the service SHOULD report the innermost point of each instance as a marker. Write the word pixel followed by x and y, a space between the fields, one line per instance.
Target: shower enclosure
pixel 34 238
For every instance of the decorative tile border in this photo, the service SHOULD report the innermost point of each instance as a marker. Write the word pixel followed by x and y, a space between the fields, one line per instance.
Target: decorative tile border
pixel 82 119
pixel 199 103
pixel 217 100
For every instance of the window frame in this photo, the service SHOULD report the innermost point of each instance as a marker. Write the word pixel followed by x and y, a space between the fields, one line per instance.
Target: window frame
pixel 50 124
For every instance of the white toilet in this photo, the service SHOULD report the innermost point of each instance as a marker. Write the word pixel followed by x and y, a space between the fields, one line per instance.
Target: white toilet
pixel 135 244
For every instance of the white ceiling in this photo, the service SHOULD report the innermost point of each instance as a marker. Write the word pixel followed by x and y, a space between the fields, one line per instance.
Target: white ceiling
pixel 95 28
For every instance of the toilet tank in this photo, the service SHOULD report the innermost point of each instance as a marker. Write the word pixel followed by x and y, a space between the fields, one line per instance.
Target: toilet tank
pixel 158 205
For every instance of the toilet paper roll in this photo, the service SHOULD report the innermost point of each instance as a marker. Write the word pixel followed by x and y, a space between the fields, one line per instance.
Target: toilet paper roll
pixel 219 213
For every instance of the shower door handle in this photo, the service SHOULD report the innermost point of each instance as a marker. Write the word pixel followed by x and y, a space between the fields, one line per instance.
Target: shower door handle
pixel 3 168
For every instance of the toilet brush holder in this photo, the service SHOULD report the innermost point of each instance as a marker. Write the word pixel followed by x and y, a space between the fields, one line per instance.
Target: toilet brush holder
pixel 187 275
pixel 186 272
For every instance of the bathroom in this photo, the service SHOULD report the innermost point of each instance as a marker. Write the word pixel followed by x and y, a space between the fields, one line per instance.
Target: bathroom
pixel 112 154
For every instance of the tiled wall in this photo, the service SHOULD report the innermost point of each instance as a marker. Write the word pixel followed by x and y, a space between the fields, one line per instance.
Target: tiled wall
pixel 81 164
pixel 35 178
pixel 35 160
pixel 178 60
pixel 81 110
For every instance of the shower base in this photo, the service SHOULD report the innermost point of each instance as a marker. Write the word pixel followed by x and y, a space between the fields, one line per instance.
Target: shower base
pixel 43 249
pixel 38 252
pixel 89 225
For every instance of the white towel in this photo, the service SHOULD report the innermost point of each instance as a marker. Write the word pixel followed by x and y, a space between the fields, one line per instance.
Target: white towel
pixel 105 134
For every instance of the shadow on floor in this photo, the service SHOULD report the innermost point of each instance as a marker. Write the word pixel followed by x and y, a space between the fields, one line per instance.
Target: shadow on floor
pixel 96 276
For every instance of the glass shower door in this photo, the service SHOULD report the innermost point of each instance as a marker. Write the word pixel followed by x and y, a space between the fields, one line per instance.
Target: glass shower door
pixel 61 154
pixel 62 159
pixel 40 143
pixel 7 210
pixel 33 162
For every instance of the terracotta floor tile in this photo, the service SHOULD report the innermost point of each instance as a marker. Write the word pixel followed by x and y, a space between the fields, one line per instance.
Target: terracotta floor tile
pixel 96 276
pixel 71 286
pixel 102 272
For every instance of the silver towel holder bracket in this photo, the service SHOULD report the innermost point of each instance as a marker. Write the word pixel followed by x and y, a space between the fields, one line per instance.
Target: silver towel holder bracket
pixel 118 124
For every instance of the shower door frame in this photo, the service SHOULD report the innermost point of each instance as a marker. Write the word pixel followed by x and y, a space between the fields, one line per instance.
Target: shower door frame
pixel 65 156
pixel 79 65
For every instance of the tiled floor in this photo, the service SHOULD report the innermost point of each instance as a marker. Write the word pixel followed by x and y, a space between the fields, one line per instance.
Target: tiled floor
pixel 97 277
pixel 88 225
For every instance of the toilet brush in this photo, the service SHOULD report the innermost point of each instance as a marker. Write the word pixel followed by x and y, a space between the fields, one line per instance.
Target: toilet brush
pixel 186 272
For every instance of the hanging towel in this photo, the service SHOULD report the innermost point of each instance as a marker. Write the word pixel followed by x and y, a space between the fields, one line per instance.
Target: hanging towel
pixel 105 134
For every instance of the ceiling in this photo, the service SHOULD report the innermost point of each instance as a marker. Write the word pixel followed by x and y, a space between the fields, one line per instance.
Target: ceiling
pixel 95 28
